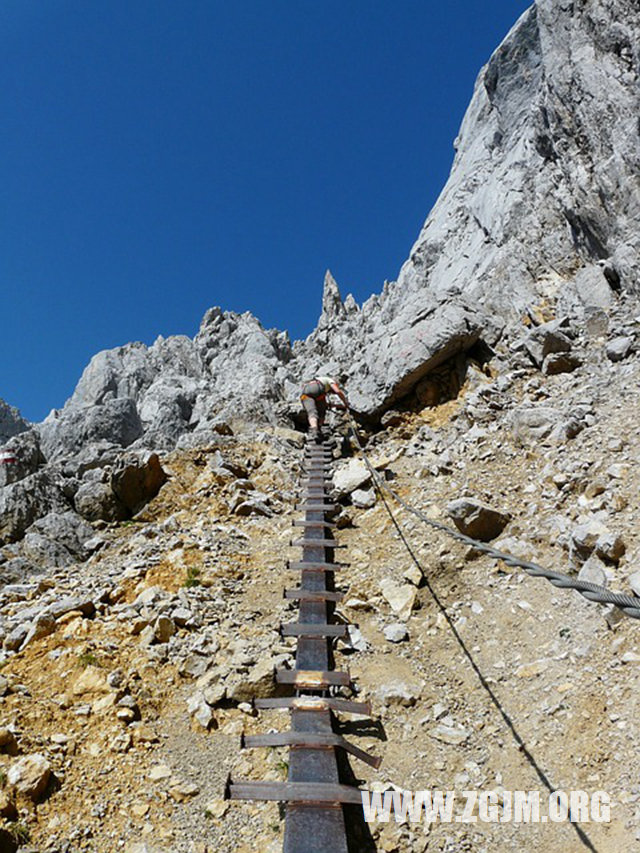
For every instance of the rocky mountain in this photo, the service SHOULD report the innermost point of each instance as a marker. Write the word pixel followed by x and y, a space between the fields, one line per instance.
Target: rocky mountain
pixel 538 219
pixel 132 646
pixel 141 521
pixel 541 207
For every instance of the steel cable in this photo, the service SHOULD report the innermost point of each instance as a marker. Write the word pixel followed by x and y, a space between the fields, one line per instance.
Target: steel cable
pixel 627 604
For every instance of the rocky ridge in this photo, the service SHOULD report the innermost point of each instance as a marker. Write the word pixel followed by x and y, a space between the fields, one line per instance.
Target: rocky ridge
pixel 140 525
pixel 540 211
pixel 128 674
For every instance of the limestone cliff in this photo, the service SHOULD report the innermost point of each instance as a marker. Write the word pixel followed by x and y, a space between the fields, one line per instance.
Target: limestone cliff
pixel 542 204
pixel 539 218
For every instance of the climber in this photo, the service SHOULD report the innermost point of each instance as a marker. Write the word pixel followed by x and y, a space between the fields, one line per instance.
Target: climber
pixel 313 398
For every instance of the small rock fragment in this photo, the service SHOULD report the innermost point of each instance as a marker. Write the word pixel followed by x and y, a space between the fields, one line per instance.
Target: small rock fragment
pixel 401 597
pixel 164 629
pixel 159 772
pixel 200 710
pixel 363 499
pixel 619 348
pixel 593 572
pixel 396 632
pixel 8 742
pixel 454 735
pixel 30 775
pixel 183 791
pixel 476 519
pixel 610 546
pixel 398 693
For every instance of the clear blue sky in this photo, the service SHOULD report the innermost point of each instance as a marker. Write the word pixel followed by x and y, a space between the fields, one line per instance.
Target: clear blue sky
pixel 158 157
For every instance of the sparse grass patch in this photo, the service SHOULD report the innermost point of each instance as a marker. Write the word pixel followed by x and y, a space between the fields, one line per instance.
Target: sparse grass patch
pixel 20 832
pixel 86 659
pixel 193 577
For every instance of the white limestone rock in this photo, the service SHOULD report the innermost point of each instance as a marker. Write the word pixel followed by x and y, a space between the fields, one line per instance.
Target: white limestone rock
pixel 11 422
pixel 350 476
pixel 400 597
pixel 30 775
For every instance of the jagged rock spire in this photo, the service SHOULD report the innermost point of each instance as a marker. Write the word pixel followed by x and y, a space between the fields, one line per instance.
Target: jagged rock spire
pixel 11 422
pixel 332 304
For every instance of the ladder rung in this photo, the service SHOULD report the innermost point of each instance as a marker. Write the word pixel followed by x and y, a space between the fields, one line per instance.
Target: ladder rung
pixel 315 566
pixel 294 792
pixel 312 704
pixel 308 740
pixel 314 506
pixel 304 629
pixel 324 543
pixel 312 679
pixel 308 595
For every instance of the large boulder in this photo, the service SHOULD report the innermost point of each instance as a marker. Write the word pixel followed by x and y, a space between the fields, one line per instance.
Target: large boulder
pixel 387 352
pixel 57 539
pixel 137 478
pixel 96 500
pixel 547 339
pixel 476 519
pixel 31 498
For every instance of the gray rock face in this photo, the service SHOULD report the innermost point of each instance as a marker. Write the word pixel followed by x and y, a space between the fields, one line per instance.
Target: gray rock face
pixel 24 502
pixel 233 367
pixel 11 422
pixel 19 457
pixel 550 133
pixel 137 478
pixel 57 539
pixel 551 130
pixel 540 210
pixel 68 432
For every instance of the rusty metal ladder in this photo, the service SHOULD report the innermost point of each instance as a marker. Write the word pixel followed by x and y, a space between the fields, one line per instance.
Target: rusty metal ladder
pixel 313 793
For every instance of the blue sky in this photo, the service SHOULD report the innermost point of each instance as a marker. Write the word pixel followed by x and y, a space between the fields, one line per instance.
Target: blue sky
pixel 158 157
